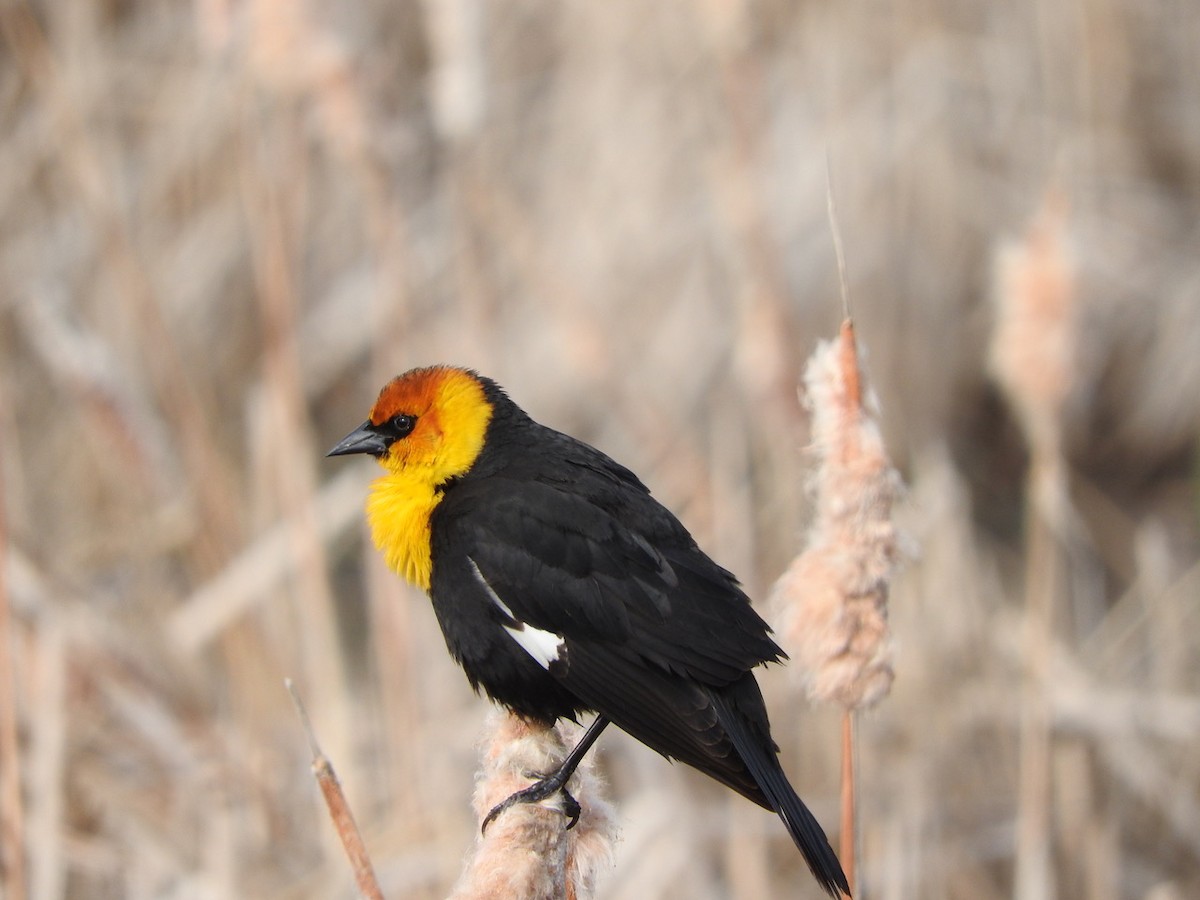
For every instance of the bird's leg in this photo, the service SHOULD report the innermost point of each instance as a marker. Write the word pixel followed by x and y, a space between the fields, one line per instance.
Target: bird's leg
pixel 555 781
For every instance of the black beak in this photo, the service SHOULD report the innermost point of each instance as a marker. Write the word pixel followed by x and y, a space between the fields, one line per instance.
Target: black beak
pixel 363 439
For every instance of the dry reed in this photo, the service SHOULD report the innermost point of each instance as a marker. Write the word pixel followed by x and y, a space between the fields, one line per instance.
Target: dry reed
pixel 618 211
pixel 340 813
pixel 1034 360
pixel 13 846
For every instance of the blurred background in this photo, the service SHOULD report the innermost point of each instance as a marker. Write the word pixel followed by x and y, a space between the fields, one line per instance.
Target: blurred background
pixel 224 224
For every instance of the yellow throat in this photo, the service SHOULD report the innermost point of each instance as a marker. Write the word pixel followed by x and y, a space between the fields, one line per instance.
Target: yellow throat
pixel 452 417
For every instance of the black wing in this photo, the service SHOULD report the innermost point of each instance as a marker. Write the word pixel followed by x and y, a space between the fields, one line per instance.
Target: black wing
pixel 648 624
pixel 565 564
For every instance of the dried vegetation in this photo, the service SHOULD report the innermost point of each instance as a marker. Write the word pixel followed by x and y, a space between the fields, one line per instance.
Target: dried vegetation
pixel 224 222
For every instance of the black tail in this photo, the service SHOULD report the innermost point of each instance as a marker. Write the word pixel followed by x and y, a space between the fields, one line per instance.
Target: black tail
pixel 722 731
pixel 758 752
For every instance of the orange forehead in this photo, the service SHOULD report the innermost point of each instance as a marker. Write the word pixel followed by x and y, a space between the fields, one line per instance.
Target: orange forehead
pixel 418 391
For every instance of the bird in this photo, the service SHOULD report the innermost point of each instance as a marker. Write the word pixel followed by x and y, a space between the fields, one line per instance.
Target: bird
pixel 563 588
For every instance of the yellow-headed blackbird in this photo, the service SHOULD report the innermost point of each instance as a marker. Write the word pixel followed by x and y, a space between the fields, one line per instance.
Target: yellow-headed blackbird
pixel 562 587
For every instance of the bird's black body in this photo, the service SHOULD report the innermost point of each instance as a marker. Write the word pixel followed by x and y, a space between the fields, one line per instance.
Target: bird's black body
pixel 544 532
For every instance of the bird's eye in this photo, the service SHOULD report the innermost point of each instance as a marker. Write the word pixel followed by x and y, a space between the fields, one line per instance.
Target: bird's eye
pixel 403 424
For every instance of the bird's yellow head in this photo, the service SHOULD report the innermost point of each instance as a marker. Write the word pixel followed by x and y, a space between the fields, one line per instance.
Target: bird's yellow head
pixel 426 428
pixel 427 425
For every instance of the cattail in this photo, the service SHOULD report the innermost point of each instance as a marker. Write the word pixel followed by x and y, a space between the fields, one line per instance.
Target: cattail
pixel 831 603
pixel 527 852
pixel 1033 355
pixel 1033 359
pixel 1033 348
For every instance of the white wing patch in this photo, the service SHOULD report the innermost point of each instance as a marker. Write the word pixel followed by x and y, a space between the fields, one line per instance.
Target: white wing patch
pixel 546 647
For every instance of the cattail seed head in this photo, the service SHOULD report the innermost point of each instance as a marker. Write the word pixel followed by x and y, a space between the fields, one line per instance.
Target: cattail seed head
pixel 1033 350
pixel 831 603
pixel 527 852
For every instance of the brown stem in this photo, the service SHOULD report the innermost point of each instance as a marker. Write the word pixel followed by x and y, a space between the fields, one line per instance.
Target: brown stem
pixel 339 810
pixel 846 842
pixel 12 818
pixel 1033 877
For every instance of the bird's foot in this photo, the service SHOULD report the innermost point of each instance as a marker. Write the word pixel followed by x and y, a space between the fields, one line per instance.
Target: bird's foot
pixel 536 793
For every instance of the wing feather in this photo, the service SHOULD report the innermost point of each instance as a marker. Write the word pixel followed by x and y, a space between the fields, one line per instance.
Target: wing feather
pixel 564 564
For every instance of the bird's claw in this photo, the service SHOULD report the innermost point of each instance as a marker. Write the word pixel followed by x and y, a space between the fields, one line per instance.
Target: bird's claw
pixel 535 793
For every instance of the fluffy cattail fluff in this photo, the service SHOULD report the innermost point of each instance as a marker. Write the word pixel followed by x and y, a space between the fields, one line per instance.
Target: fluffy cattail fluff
pixel 831 603
pixel 1034 351
pixel 528 853
pixel 1033 347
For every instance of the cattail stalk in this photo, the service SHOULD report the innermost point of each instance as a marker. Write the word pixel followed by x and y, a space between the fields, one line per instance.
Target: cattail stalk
pixel 846 843
pixel 831 603
pixel 339 809
pixel 12 816
pixel 1033 357
pixel 527 853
